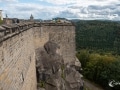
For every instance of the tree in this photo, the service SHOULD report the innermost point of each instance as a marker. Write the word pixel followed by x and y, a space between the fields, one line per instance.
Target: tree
pixel 83 56
pixel 98 35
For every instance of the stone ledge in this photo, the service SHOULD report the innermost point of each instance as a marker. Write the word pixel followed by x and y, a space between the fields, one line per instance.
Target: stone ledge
pixel 10 30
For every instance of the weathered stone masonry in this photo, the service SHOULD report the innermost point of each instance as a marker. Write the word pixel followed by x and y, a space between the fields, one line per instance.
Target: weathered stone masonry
pixel 17 61
pixel 62 34
pixel 17 51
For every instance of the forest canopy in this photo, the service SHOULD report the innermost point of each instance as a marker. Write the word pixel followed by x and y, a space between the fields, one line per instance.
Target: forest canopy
pixel 98 49
pixel 102 35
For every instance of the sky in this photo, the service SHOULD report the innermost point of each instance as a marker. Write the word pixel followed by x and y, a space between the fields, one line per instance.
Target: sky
pixel 70 9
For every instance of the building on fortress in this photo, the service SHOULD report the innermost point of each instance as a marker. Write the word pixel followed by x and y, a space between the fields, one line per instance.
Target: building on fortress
pixel 31 18
pixel 1 15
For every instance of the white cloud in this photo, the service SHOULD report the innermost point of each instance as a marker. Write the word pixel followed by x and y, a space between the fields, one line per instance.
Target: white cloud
pixel 81 2
pixel 83 9
pixel 24 10
pixel 9 1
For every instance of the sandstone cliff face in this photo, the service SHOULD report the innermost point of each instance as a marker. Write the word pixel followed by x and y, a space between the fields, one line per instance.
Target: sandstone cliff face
pixel 62 35
pixel 53 73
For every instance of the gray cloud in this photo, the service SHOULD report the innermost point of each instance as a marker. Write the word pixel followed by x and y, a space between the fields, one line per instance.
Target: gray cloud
pixel 109 10
pixel 67 14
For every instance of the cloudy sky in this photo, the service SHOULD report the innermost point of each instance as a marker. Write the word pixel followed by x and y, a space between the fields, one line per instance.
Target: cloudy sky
pixel 71 9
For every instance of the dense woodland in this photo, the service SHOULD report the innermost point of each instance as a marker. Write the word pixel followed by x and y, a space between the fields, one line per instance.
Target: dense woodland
pixel 102 35
pixel 98 49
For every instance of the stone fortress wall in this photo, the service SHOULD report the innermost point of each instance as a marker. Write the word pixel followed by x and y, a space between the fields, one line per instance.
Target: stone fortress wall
pixel 17 58
pixel 18 44
pixel 63 35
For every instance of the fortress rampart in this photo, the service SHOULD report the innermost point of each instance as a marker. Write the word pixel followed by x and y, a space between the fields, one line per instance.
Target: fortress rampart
pixel 18 51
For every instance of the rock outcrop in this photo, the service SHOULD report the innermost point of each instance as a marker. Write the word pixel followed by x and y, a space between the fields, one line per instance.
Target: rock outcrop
pixel 53 74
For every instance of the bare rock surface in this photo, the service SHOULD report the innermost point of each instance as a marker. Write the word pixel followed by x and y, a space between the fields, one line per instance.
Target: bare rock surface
pixel 53 74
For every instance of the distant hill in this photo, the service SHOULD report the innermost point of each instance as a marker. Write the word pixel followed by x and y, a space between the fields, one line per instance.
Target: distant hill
pixel 103 35
pixel 75 20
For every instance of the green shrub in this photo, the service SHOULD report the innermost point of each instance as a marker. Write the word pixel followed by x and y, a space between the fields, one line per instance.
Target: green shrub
pixel 83 56
pixel 100 68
